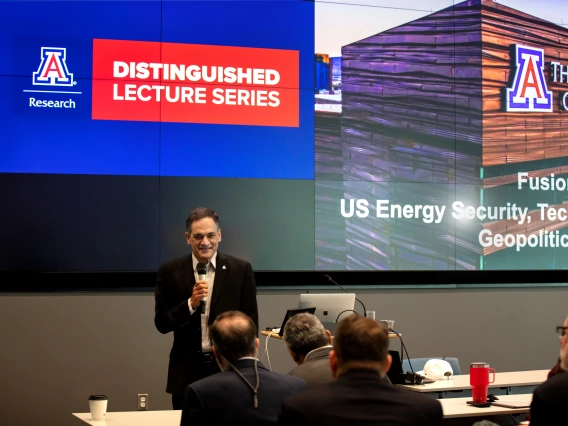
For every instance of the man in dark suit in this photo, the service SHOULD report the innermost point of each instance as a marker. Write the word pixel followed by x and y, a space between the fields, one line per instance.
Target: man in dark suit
pixel 309 345
pixel 359 396
pixel 187 302
pixel 245 393
pixel 547 407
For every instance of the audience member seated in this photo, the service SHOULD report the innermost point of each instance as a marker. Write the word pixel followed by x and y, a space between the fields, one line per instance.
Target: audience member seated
pixel 309 344
pixel 555 370
pixel 244 392
pixel 358 396
pixel 547 406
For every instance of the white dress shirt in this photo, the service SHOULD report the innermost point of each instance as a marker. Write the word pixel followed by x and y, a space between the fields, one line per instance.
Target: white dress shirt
pixel 211 266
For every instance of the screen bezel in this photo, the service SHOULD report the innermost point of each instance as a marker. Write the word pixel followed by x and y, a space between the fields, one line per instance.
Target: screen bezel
pixel 23 281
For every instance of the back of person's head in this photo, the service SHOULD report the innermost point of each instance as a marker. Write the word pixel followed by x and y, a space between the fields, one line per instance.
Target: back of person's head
pixel 303 333
pixel 485 423
pixel 361 342
pixel 233 336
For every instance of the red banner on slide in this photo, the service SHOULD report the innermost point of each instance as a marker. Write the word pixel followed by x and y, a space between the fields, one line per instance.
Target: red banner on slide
pixel 192 83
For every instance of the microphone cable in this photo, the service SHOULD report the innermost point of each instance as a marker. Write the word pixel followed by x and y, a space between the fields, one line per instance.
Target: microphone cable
pixel 346 310
pixel 331 280
pixel 404 349
pixel 407 356
pixel 266 352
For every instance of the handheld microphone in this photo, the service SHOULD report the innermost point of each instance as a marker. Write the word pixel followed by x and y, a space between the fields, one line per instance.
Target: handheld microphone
pixel 331 279
pixel 202 276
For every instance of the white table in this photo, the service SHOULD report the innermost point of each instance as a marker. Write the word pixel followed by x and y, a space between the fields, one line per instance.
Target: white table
pixel 502 380
pixel 452 408
pixel 135 418
pixel 457 407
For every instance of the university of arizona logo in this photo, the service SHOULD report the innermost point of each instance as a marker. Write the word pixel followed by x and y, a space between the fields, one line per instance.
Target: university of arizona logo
pixel 53 70
pixel 529 92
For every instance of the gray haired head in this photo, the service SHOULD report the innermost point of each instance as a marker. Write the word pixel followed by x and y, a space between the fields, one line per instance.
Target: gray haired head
pixel 485 423
pixel 303 333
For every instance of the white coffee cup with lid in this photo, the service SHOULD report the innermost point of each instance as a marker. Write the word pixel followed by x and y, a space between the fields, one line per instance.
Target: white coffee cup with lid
pixel 98 406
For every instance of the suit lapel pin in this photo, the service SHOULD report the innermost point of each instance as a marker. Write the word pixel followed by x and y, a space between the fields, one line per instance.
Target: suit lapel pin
pixel 224 267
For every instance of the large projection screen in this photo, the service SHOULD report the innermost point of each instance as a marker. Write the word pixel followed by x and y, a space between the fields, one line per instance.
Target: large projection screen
pixel 338 136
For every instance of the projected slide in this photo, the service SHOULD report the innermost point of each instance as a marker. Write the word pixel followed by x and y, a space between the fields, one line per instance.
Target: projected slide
pixel 121 117
pixel 143 91
pixel 441 136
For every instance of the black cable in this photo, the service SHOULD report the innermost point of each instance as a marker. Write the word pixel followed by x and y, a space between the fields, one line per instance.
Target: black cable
pixel 253 388
pixel 346 310
pixel 331 279
pixel 404 349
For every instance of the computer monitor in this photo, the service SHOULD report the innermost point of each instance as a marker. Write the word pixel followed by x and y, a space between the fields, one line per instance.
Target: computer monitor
pixel 329 306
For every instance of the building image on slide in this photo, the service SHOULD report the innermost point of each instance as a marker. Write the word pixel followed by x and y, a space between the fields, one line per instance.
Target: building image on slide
pixel 449 108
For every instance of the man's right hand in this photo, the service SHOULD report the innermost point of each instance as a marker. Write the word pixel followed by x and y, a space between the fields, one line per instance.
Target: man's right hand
pixel 198 293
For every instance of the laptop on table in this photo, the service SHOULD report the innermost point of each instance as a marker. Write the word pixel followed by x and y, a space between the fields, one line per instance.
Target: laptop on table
pixel 291 312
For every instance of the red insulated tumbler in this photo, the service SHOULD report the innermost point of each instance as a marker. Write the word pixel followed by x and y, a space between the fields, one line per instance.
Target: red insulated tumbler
pixel 479 381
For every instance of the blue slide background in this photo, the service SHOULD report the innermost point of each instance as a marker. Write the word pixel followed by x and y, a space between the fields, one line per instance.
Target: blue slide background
pixel 65 141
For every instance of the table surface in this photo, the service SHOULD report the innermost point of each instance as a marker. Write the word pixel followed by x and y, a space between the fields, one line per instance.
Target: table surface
pixel 502 380
pixel 457 407
pixel 135 418
pixel 452 408
pixel 277 336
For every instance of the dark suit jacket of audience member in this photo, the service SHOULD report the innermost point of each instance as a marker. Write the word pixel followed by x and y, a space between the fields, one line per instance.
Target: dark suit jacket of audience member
pixel 360 397
pixel 553 372
pixel 548 405
pixel 225 399
pixel 315 369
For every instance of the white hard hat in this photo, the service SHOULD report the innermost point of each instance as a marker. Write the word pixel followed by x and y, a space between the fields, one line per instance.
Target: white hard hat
pixel 436 369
